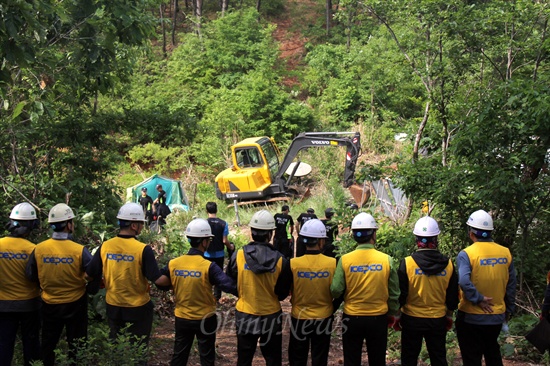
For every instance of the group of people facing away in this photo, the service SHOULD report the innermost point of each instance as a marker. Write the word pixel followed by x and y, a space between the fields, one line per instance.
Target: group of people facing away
pixel 45 285
pixel 157 209
pixel 283 239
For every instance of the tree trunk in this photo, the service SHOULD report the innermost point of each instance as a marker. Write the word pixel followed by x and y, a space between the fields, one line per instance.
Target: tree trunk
pixel 174 21
pixel 420 132
pixel 225 4
pixel 163 30
pixel 198 16
pixel 328 15
pixel 258 5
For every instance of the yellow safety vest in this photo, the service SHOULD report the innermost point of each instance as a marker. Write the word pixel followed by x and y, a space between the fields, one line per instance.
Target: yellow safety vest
pixel 257 291
pixel 60 271
pixel 192 288
pixel 490 263
pixel 311 276
pixel 427 294
pixel 14 255
pixel 367 273
pixel 125 282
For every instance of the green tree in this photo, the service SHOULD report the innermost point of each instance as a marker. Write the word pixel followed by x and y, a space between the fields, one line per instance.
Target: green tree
pixel 57 57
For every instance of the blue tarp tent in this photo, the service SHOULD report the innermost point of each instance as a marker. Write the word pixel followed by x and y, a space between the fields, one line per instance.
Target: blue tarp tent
pixel 175 196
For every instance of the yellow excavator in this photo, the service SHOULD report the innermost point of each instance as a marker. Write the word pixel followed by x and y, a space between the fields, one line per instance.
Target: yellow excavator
pixel 259 175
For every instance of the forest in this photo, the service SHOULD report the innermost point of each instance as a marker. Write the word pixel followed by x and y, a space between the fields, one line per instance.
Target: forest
pixel 97 95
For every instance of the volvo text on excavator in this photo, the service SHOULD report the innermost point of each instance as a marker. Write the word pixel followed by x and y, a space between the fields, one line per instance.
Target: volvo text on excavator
pixel 258 174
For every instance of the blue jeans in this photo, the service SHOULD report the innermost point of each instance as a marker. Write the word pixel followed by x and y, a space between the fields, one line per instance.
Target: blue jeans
pixel 30 330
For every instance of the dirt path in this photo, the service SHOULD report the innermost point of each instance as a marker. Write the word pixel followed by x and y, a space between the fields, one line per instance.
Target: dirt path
pixel 291 40
pixel 226 342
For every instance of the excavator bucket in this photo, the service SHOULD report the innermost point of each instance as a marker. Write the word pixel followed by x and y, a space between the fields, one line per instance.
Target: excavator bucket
pixel 360 194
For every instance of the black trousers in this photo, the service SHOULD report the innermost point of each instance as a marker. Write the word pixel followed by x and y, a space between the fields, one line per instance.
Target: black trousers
pixel 477 341
pixel 140 328
pixel 73 317
pixel 432 331
pixel 219 262
pixel 373 330
pixel 30 335
pixel 300 246
pixel 186 331
pixel 306 332
pixel 282 244
pixel 266 329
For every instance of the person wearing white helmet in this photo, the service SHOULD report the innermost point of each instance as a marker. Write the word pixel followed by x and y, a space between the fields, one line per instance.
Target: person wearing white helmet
pixel 312 305
pixel 263 279
pixel 19 297
pixel 127 265
pixel 429 295
pixel 58 265
pixel 368 280
pixel 192 277
pixel 487 280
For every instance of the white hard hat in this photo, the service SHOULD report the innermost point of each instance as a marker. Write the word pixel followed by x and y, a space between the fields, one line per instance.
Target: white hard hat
pixel 262 220
pixel 23 211
pixel 131 211
pixel 480 220
pixel 198 228
pixel 426 227
pixel 314 228
pixel 60 213
pixel 364 221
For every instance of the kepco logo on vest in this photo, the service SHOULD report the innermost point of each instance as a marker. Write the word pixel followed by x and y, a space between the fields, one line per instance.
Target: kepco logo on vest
pixel 185 273
pixel 313 275
pixel 493 261
pixel 366 268
pixel 58 260
pixel 419 272
pixel 117 257
pixel 10 255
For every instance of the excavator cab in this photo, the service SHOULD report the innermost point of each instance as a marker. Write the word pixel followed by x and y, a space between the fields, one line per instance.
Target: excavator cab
pixel 259 174
pixel 255 162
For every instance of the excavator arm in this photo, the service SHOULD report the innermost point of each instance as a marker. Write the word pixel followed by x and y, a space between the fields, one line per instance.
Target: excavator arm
pixel 351 140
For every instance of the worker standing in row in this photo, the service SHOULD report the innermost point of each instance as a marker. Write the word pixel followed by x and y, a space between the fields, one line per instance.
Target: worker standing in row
pixel 263 279
pixel 126 265
pixel 429 296
pixel 192 276
pixel 284 230
pixel 19 297
pixel 368 280
pixel 58 265
pixel 146 203
pixel 215 251
pixel 300 221
pixel 487 279
pixel 332 232
pixel 312 305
